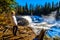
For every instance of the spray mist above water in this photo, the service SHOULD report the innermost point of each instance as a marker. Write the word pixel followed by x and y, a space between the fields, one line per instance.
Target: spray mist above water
pixel 51 18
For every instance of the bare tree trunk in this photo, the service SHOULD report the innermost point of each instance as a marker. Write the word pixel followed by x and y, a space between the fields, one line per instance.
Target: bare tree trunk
pixel 41 35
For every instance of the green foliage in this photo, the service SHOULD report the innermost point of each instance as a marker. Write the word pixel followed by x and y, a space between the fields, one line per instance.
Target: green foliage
pixel 6 5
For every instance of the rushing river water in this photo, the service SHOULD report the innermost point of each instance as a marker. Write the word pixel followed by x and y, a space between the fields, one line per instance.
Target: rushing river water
pixel 50 24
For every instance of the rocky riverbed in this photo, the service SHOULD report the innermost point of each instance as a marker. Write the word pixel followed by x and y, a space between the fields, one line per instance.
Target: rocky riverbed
pixel 24 33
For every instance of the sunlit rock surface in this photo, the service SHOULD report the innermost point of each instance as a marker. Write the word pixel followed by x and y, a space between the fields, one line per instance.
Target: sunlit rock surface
pixel 23 33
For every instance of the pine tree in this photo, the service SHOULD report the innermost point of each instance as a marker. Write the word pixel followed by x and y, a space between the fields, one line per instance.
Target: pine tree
pixel 26 9
pixel 31 9
pixel 52 6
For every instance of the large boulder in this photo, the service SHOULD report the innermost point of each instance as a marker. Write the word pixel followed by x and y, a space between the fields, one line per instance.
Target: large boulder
pixel 22 22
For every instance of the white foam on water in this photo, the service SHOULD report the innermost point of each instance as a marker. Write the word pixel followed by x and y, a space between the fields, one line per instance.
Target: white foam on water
pixel 28 18
pixel 37 27
pixel 44 25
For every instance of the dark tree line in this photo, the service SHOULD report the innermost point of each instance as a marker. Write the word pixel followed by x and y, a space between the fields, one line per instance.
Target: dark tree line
pixel 38 9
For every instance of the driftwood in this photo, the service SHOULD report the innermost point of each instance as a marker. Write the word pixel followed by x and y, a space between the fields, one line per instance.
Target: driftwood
pixel 41 35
